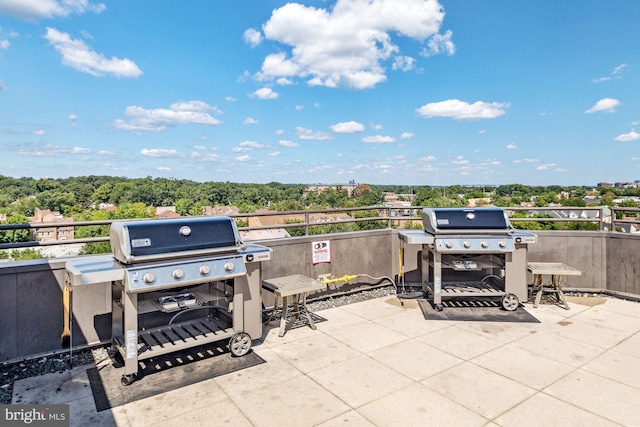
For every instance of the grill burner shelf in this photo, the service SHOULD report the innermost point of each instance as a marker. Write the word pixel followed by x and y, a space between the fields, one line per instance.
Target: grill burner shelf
pixel 178 336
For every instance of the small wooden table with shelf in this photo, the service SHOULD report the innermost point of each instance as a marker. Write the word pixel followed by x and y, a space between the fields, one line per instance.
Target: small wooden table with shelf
pixel 296 285
pixel 557 271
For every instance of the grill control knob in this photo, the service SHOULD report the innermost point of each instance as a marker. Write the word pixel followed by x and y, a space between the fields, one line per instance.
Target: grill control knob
pixel 204 270
pixel 467 244
pixel 502 243
pixel 229 266
pixel 449 244
pixel 484 244
pixel 177 274
pixel 149 278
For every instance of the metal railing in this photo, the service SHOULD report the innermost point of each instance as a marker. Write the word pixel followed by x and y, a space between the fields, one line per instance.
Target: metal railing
pixel 605 218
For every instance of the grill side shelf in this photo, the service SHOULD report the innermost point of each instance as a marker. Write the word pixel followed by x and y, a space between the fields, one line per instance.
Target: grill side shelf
pixel 177 336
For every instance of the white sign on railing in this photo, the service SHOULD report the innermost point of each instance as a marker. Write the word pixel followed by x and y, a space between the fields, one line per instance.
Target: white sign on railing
pixel 321 251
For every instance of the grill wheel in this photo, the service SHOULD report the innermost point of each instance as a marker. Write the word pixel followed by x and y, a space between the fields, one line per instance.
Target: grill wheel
pixel 510 302
pixel 240 344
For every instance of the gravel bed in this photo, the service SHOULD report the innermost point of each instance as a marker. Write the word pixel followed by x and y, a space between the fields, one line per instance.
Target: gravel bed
pixel 351 298
pixel 60 362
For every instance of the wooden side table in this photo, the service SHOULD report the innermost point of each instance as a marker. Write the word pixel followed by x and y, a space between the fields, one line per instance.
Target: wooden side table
pixel 557 271
pixel 296 285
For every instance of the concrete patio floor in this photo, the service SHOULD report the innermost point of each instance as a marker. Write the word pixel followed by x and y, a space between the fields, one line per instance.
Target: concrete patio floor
pixel 376 363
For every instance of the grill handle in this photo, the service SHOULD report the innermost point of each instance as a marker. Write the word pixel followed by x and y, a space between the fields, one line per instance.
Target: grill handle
pixel 132 259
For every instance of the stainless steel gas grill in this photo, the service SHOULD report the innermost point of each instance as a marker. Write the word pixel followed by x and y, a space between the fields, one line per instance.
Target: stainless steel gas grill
pixel 177 283
pixel 471 253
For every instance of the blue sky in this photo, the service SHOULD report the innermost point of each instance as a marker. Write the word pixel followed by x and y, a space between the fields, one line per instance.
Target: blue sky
pixel 414 92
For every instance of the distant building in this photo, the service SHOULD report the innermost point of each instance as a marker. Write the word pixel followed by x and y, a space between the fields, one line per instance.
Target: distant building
pixel 604 184
pixel 479 201
pixel 399 208
pixel 393 197
pixel 322 188
pixel 219 210
pixel 166 212
pixel 107 207
pixel 50 232
pixel 625 185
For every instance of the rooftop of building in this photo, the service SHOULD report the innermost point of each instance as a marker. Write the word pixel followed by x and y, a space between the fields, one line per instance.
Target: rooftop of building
pixel 377 363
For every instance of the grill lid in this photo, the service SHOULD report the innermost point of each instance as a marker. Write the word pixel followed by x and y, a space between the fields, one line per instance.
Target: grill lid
pixel 138 241
pixel 464 220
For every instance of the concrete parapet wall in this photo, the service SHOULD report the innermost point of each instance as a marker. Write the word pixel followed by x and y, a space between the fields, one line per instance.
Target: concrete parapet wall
pixel 31 304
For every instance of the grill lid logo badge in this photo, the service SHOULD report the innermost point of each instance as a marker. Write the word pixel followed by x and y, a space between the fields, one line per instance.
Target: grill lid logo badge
pixel 471 216
pixel 185 230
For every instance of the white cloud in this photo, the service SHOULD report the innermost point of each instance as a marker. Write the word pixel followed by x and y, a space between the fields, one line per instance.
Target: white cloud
pixel 265 93
pixel 274 154
pixel 461 110
pixel 347 127
pixel 512 146
pixel 605 105
pixel 427 159
pixel 619 68
pixel 349 41
pixel 76 54
pixel 252 37
pixel 308 134
pixel 404 63
pixel 626 137
pixel 616 73
pixel 161 153
pixel 41 9
pixel 107 153
pixel 230 99
pixel 4 44
pixel 440 43
pixel 378 139
pixel 193 106
pixel 545 167
pixel 243 158
pixel 205 157
pixel 250 121
pixel 406 135
pixel 80 150
pixel 288 144
pixel 40 132
pixel 247 146
pixel 164 168
pixel 460 161
pixel 180 113
pixel 283 81
pixel 200 147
